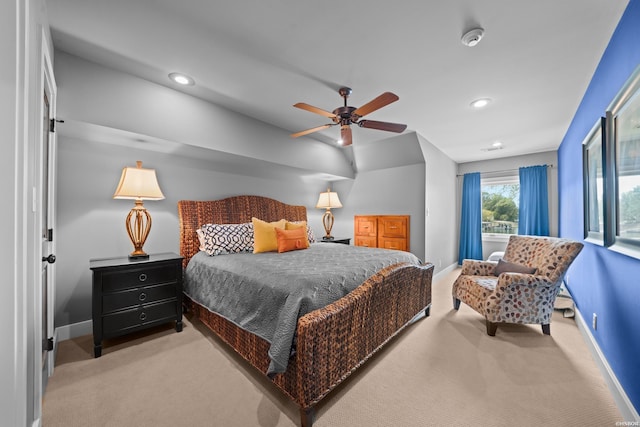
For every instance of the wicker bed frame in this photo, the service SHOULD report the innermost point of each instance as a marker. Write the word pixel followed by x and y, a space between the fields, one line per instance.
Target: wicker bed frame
pixel 332 342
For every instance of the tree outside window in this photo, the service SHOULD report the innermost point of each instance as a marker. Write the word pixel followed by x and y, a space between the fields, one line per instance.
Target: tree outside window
pixel 500 207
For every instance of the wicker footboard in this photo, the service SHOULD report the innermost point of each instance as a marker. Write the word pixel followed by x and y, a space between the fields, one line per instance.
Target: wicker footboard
pixel 334 341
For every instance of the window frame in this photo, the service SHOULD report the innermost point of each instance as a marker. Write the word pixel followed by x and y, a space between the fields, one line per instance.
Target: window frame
pixel 629 93
pixel 596 135
pixel 500 180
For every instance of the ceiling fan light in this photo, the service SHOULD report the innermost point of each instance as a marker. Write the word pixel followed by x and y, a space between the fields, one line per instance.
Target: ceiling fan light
pixel 182 79
pixel 480 103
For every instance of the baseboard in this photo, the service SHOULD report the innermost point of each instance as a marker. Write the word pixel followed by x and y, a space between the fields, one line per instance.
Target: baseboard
pixel 445 271
pixel 74 330
pixel 619 396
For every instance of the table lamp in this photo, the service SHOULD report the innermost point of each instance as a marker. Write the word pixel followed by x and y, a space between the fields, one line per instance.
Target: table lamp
pixel 138 184
pixel 328 200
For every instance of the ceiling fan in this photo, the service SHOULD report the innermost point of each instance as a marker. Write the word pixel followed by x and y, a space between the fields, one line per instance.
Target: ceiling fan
pixel 345 116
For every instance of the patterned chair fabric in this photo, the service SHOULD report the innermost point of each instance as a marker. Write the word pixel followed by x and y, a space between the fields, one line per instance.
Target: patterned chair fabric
pixel 517 297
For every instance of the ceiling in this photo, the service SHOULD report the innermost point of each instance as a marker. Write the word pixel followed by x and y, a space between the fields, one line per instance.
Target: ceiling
pixel 260 57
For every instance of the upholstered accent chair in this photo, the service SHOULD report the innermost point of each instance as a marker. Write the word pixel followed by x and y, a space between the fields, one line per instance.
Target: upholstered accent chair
pixel 521 287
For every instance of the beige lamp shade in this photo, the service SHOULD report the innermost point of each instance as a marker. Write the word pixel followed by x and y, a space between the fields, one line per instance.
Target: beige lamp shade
pixel 138 184
pixel 328 200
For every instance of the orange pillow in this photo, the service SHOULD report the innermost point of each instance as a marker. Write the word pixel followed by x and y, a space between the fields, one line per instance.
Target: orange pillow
pixel 292 240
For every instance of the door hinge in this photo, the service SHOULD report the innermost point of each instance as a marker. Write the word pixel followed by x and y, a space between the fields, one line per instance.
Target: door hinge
pixel 50 235
pixel 52 124
pixel 47 344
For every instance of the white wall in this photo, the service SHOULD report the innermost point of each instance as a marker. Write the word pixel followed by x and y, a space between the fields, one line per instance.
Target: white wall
pixel 510 165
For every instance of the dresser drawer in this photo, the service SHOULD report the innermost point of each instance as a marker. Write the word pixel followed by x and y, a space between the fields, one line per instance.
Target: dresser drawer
pixel 392 243
pixel 367 242
pixel 365 226
pixel 393 227
pixel 122 321
pixel 137 277
pixel 137 296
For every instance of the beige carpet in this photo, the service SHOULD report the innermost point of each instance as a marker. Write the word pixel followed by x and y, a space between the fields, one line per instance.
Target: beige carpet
pixel 443 371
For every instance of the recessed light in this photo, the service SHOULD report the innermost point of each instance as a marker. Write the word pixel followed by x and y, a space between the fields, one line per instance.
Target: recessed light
pixel 182 79
pixel 480 103
pixel 497 144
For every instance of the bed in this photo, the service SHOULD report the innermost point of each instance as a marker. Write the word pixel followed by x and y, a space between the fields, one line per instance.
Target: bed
pixel 329 342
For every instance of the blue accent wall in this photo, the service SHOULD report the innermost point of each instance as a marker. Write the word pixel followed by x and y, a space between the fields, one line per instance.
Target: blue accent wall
pixel 603 281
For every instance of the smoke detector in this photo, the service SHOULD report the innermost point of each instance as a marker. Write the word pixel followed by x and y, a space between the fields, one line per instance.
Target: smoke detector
pixel 472 37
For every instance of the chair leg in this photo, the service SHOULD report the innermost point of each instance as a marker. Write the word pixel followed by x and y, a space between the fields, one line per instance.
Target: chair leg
pixel 546 329
pixel 491 328
pixel 456 303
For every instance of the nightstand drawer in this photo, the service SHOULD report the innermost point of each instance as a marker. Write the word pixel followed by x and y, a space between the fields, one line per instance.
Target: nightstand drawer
pixel 137 296
pixel 121 321
pixel 133 278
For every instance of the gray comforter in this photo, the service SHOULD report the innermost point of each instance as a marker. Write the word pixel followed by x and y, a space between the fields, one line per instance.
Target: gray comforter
pixel 266 293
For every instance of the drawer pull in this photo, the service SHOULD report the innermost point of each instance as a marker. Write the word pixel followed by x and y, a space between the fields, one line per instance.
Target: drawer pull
pixel 143 316
pixel 393 228
pixel 142 277
pixel 142 296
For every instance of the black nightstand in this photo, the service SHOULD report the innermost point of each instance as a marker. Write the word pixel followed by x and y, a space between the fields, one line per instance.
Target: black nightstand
pixel 344 241
pixel 131 295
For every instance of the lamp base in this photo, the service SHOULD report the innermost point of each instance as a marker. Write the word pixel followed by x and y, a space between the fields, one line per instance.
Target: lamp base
pixel 138 224
pixel 327 237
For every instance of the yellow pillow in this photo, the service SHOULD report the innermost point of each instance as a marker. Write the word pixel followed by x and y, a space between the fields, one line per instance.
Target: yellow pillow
pixel 293 225
pixel 264 235
pixel 292 240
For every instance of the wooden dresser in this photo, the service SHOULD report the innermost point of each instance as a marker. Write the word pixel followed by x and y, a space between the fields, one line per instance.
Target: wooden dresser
pixel 382 231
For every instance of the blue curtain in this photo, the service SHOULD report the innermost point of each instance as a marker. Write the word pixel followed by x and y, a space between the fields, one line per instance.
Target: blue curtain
pixel 534 201
pixel 471 219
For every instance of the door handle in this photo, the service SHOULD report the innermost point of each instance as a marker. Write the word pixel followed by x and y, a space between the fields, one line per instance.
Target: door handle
pixel 50 259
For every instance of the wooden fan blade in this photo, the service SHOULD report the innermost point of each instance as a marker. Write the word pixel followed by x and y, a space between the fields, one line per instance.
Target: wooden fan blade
pixel 389 127
pixel 345 134
pixel 313 109
pixel 308 131
pixel 379 102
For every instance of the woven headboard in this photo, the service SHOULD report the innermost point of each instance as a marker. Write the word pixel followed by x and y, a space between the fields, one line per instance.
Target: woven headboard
pixel 192 214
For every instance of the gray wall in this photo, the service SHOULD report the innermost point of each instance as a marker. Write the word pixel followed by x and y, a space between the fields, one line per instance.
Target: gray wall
pixel 392 191
pixel 91 223
pixel 441 232
pixel 510 165
pixel 201 151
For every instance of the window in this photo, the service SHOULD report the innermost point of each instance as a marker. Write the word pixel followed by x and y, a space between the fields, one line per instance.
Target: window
pixel 593 166
pixel 500 211
pixel 625 130
pixel 611 154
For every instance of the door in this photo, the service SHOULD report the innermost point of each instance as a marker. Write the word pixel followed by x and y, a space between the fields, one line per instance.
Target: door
pixel 45 292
